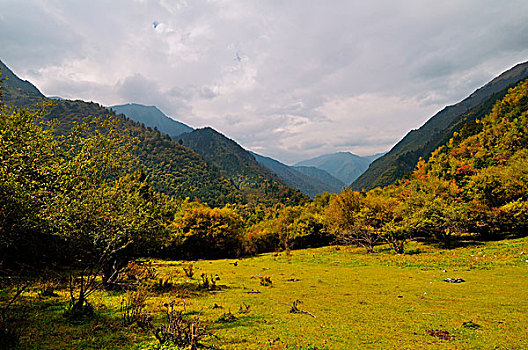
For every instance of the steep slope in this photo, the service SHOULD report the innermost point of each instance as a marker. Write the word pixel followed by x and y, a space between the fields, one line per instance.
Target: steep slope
pixel 496 142
pixel 345 166
pixel 19 92
pixel 152 117
pixel 335 185
pixel 479 179
pixel 301 180
pixel 417 144
pixel 172 169
pixel 238 165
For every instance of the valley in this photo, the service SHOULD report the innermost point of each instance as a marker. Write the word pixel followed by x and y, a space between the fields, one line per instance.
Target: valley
pixel 121 228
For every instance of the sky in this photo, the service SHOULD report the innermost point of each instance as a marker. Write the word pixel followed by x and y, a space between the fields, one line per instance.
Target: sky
pixel 286 79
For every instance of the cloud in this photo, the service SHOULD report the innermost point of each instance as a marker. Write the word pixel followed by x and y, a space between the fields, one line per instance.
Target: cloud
pixel 291 80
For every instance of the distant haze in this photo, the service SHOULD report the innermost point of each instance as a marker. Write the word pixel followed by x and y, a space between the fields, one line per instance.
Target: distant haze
pixel 287 79
pixel 345 166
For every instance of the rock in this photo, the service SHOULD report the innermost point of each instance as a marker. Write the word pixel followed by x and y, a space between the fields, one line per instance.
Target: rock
pixel 454 280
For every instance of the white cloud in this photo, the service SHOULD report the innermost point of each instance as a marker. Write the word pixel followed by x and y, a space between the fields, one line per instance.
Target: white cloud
pixel 290 79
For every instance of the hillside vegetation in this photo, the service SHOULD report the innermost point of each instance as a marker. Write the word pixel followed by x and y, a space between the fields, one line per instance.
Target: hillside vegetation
pixel 420 143
pixel 88 205
pixel 173 169
pixel 475 185
pixel 257 183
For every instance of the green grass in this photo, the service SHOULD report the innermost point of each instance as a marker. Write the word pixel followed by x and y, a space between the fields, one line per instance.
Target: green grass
pixel 377 301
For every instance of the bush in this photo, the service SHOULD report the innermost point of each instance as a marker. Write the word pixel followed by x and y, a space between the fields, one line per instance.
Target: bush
pixel 202 232
pixel 133 308
pixel 180 331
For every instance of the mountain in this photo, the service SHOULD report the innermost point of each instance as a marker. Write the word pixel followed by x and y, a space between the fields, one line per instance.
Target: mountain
pixel 403 157
pixel 172 168
pixel 477 182
pixel 309 180
pixel 257 183
pixel 218 171
pixel 20 92
pixel 344 166
pixel 152 117
pixel 333 184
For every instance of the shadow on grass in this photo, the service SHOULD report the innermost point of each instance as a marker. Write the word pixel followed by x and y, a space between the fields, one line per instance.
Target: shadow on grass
pixel 415 251
pixel 42 323
pixel 238 321
pixel 186 289
pixel 456 242
pixel 477 240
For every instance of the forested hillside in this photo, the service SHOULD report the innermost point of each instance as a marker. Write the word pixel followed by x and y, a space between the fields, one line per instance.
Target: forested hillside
pixel 256 182
pixel 172 168
pixel 417 144
pixel 475 185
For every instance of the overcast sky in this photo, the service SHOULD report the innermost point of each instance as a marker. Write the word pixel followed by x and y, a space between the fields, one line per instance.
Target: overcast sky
pixel 286 79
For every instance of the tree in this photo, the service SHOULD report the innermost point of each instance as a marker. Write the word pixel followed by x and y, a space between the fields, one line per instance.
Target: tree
pixel 77 191
pixel 354 220
pixel 28 172
pixel 435 207
pixel 200 231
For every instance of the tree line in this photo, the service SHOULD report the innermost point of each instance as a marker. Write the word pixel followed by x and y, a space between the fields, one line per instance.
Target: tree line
pixel 81 198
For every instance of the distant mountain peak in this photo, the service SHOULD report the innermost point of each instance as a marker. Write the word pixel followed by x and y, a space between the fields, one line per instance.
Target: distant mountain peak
pixel 309 180
pixel 344 166
pixel 152 117
pixel 17 91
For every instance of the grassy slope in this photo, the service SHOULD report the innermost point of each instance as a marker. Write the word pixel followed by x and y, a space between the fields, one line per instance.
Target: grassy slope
pixel 370 301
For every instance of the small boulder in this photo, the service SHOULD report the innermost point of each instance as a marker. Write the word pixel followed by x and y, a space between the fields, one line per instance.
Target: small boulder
pixel 454 280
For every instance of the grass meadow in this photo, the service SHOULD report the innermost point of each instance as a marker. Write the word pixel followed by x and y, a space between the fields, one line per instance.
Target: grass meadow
pixel 344 299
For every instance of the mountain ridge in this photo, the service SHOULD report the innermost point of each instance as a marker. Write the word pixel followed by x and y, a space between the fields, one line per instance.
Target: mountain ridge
pixel 310 184
pixel 240 166
pixel 152 117
pixel 344 166
pixel 21 92
pixel 421 142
